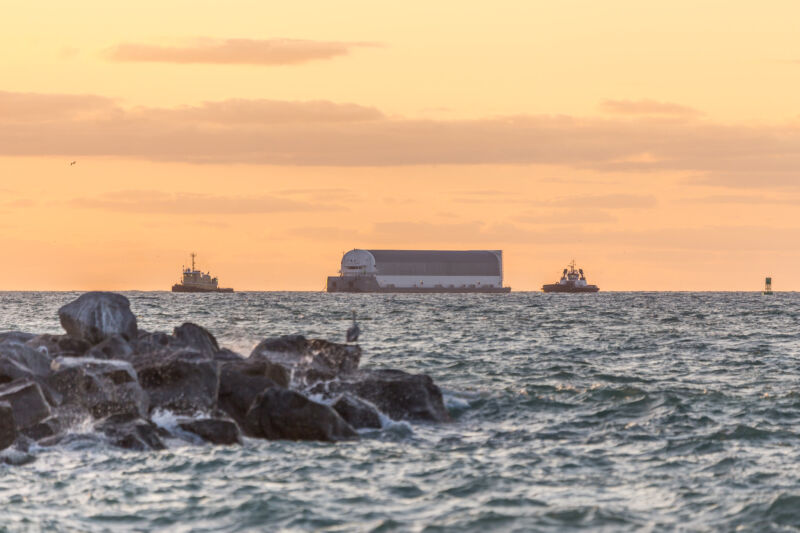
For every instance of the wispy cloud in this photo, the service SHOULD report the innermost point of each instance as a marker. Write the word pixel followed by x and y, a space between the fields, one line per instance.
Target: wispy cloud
pixel 49 108
pixel 235 51
pixel 242 112
pixel 647 107
pixel 567 218
pixel 155 202
pixel 327 133
pixel 749 199
pixel 602 201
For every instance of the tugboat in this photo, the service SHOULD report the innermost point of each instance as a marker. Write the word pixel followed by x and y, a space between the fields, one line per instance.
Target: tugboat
pixel 196 281
pixel 572 280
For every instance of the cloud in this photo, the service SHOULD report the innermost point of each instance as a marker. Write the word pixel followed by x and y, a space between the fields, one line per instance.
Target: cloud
pixel 647 107
pixel 476 234
pixel 749 199
pixel 333 134
pixel 49 108
pixel 561 218
pixel 155 202
pixel 602 201
pixel 235 51
pixel 242 112
pixel 730 238
pixel 332 194
pixel 327 233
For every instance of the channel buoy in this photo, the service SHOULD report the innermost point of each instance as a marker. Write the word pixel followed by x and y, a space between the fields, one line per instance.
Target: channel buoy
pixel 768 286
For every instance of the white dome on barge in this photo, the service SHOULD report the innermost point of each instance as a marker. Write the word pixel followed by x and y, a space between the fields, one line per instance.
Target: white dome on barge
pixel 358 262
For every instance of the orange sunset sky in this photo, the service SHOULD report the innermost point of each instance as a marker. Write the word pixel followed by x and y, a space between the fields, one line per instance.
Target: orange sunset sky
pixel 657 143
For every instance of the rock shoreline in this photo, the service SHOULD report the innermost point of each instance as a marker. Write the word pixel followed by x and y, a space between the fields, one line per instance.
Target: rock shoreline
pixel 105 369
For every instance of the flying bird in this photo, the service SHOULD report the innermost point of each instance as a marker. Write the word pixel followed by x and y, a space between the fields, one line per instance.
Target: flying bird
pixel 353 331
pixel 72 163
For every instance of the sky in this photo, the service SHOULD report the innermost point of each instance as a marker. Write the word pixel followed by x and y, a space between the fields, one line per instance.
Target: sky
pixel 657 145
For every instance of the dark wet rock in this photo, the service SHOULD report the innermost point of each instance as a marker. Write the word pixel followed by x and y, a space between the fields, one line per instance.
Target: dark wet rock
pixel 27 402
pixel 95 316
pixel 187 338
pixel 308 360
pixel 49 427
pixel 398 394
pixel 114 347
pixel 357 412
pixel 102 387
pixel 241 381
pixel 213 430
pixel 59 345
pixel 21 361
pixel 255 367
pixel 148 342
pixel 193 336
pixel 15 337
pixel 18 361
pixel 225 355
pixel 131 433
pixel 282 414
pixel 8 429
pixel 183 382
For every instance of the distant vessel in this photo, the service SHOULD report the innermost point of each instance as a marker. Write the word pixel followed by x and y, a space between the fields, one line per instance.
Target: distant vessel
pixel 572 280
pixel 768 287
pixel 196 281
pixel 419 271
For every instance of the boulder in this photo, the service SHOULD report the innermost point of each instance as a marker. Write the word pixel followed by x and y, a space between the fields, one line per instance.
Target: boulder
pixel 131 433
pixel 241 381
pixel 27 402
pixel 21 361
pixel 213 430
pixel 114 347
pixel 95 316
pixel 15 337
pixel 186 337
pixel 59 345
pixel 49 427
pixel 148 343
pixel 225 355
pixel 18 361
pixel 308 360
pixel 398 394
pixel 182 382
pixel 192 336
pixel 282 414
pixel 102 387
pixel 357 412
pixel 8 429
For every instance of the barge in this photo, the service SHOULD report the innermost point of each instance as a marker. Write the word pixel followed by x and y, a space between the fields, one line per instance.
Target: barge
pixel 420 271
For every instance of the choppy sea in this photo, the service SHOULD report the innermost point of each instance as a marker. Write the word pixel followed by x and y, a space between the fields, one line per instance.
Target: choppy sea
pixel 612 411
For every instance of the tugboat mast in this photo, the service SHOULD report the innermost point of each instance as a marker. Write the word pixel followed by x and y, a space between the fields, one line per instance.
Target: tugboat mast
pixel 193 255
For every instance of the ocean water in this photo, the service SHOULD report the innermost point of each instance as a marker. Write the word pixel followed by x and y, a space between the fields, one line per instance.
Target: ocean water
pixel 613 411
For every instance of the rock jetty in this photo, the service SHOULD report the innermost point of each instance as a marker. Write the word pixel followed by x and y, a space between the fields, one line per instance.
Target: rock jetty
pixel 106 370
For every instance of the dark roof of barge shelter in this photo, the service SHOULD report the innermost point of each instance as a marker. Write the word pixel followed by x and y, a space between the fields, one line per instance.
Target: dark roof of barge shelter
pixel 438 262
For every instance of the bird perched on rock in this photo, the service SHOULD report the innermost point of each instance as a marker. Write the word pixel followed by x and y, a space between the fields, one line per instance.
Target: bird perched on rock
pixel 353 331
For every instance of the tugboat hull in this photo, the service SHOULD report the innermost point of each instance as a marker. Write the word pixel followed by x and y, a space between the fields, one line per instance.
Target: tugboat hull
pixel 555 287
pixel 184 288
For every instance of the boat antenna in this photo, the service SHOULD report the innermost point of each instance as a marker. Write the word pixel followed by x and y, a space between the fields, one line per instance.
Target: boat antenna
pixel 193 255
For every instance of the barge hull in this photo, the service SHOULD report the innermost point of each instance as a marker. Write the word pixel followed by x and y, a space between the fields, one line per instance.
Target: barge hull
pixel 368 284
